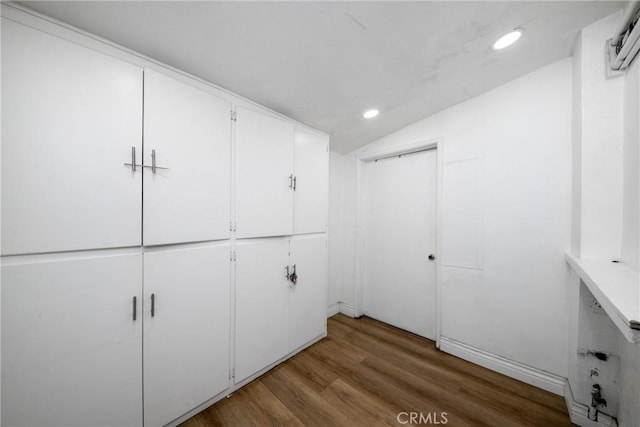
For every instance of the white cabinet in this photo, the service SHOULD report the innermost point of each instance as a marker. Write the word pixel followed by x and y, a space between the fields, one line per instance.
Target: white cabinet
pixel 99 153
pixel 71 118
pixel 311 172
pixel 262 304
pixel 186 329
pixel 188 132
pixel 264 175
pixel 73 335
pixel 308 304
pixel 282 177
pixel 71 347
pixel 274 316
pixel 76 118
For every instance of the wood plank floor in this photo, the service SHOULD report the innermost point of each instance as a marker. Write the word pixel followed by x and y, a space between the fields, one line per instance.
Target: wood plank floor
pixel 366 373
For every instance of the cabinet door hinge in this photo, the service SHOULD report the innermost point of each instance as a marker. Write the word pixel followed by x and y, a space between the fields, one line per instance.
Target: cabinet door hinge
pixel 233 256
pixel 233 116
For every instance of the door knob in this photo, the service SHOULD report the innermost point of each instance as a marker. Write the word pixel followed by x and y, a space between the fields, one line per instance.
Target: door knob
pixel 432 257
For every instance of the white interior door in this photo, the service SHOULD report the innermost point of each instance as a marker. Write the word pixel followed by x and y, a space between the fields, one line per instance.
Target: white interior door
pixel 262 304
pixel 308 312
pixel 400 210
pixel 71 349
pixel 311 195
pixel 264 175
pixel 186 339
pixel 190 132
pixel 70 119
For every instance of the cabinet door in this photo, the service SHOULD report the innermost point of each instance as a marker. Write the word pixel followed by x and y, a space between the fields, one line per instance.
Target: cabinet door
pixel 264 175
pixel 186 337
pixel 71 349
pixel 71 118
pixel 311 195
pixel 189 131
pixel 262 305
pixel 309 295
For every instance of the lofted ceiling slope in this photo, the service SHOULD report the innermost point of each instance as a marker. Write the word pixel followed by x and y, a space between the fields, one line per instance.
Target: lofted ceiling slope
pixel 324 63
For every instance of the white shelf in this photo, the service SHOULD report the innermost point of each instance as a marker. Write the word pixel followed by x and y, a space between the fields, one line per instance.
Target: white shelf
pixel 617 289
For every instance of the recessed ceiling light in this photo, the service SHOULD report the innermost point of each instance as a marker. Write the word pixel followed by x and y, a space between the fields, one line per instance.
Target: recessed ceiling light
pixel 370 114
pixel 507 40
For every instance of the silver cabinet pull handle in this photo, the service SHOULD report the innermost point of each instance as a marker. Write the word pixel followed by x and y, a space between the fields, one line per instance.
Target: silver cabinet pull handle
pixel 135 308
pixel 153 305
pixel 133 164
pixel 294 277
pixel 295 178
pixel 287 272
pixel 291 181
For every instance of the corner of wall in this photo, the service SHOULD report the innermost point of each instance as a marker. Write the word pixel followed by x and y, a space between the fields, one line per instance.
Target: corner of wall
pixel 631 167
pixel 576 138
pixel 342 220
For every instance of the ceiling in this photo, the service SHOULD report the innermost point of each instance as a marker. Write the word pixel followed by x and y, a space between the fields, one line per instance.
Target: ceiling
pixel 324 63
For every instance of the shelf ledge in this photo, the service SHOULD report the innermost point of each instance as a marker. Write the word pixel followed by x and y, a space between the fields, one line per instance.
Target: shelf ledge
pixel 617 289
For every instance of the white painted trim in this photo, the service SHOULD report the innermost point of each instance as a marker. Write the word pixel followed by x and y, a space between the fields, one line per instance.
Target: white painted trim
pixel 360 243
pixel 536 377
pixel 440 152
pixel 347 309
pixel 333 310
pixel 341 307
pixel 578 413
pixel 368 155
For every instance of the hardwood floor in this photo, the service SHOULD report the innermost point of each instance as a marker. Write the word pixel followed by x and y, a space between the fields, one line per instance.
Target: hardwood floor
pixel 366 373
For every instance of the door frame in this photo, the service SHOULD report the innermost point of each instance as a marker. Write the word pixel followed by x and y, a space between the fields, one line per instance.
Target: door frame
pixel 369 155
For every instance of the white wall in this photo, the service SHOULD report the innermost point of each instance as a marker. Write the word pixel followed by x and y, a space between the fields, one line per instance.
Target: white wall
pixel 631 168
pixel 515 306
pixel 342 226
pixel 600 157
pixel 576 203
pixel 576 147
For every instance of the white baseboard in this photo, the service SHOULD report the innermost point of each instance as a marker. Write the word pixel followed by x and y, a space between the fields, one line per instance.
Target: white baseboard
pixel 333 310
pixel 536 377
pixel 579 413
pixel 347 310
pixel 341 307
